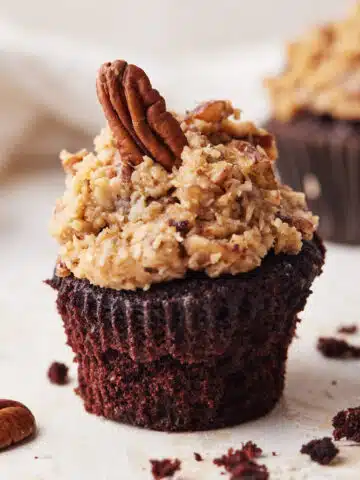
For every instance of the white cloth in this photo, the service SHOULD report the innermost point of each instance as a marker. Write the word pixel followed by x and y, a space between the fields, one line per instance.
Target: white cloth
pixel 47 88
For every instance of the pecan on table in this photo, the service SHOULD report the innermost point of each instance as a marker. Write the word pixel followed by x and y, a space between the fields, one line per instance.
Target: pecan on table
pixel 16 423
pixel 137 116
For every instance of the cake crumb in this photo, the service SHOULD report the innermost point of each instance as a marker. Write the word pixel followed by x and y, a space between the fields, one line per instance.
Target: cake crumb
pixel 241 465
pixel 321 451
pixel 332 347
pixel 347 425
pixel 198 457
pixel 58 373
pixel 334 382
pixel 274 454
pixel 348 329
pixel 164 468
pixel 252 450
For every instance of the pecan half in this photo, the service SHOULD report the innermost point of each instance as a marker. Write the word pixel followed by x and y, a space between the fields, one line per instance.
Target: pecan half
pixel 137 116
pixel 16 423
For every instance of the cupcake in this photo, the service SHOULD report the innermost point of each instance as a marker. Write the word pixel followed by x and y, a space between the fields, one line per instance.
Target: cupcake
pixel 183 262
pixel 316 120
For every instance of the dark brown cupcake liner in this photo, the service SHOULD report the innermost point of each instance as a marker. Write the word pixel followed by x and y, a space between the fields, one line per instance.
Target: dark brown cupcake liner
pixel 169 395
pixel 190 354
pixel 321 157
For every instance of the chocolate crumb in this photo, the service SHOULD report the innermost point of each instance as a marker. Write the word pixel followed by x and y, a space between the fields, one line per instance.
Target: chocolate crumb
pixel 58 373
pixel 347 425
pixel 321 451
pixel 240 463
pixel 251 450
pixel 348 329
pixel 198 457
pixel 164 468
pixel 250 470
pixel 333 348
pixel 274 454
pixel 231 459
pixel 334 382
pixel 181 227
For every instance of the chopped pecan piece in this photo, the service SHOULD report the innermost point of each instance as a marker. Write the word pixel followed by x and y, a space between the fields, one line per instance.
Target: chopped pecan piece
pixel 137 116
pixel 213 111
pixel 250 133
pixel 262 166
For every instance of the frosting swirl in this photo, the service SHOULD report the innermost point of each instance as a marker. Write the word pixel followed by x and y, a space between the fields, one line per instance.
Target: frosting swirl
pixel 220 212
pixel 322 75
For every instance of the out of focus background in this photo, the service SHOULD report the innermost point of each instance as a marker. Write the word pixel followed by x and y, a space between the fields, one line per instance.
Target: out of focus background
pixel 192 50
pixel 165 28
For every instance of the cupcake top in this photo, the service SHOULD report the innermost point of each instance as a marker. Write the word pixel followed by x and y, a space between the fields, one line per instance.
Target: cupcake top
pixel 163 195
pixel 322 75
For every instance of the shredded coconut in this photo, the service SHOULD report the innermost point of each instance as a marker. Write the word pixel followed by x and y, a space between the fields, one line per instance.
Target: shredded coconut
pixel 322 73
pixel 220 212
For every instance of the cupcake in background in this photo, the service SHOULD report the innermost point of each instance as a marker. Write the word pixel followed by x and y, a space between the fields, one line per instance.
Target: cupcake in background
pixel 316 120
pixel 183 262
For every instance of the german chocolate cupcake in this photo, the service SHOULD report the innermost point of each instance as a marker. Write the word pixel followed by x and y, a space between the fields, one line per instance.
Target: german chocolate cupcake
pixel 316 121
pixel 183 262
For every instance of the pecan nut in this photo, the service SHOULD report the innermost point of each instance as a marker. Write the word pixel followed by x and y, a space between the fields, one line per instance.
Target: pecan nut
pixel 248 132
pixel 137 116
pixel 16 423
pixel 214 111
pixel 217 113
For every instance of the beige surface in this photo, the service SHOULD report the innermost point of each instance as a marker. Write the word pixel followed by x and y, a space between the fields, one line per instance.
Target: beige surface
pixel 73 445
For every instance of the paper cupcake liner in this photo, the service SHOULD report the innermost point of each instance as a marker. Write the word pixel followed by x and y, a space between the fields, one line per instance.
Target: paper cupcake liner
pixel 322 158
pixel 192 354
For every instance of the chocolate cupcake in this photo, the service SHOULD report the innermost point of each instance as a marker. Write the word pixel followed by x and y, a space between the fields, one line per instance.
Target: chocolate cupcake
pixel 183 262
pixel 316 121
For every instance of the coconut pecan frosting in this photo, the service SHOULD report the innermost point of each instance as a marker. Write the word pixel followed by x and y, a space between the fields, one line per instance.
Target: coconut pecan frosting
pixel 164 194
pixel 322 74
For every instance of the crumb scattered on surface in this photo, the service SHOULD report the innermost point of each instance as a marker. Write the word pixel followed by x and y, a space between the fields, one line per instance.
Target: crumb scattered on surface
pixel 252 450
pixel 347 425
pixel 334 348
pixel 58 373
pixel 348 329
pixel 241 464
pixel 334 382
pixel 321 451
pixel 274 454
pixel 164 468
pixel 198 457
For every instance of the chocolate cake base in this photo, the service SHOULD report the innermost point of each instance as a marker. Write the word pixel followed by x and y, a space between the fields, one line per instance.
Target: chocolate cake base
pixel 191 354
pixel 321 156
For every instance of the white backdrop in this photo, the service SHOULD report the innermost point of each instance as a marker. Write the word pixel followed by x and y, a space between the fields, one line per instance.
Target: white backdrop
pixel 193 50
pixel 168 26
